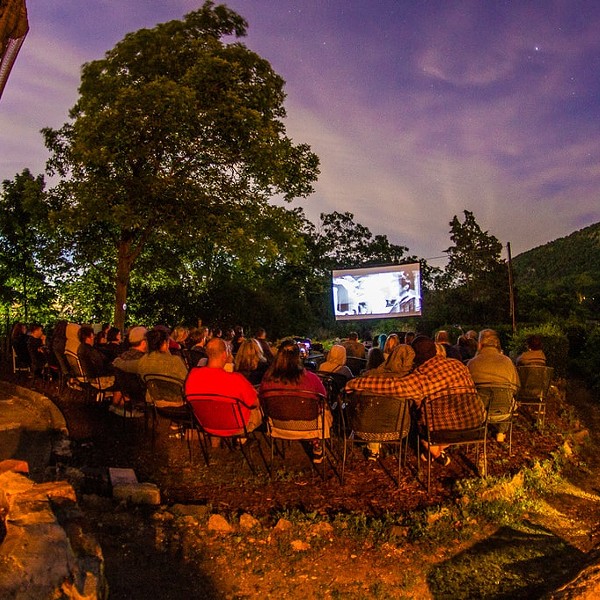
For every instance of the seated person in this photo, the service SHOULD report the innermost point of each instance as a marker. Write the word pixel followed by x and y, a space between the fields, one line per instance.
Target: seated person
pixel 93 362
pixel 250 362
pixel 36 348
pixel 197 340
pixel 288 372
pixel 159 360
pixel 18 340
pixel 336 362
pixel 442 337
pixel 113 346
pixel 534 355
pixel 214 379
pixel 490 367
pixel 261 337
pixel 353 347
pixel 398 364
pixel 390 343
pixel 432 377
pixel 374 359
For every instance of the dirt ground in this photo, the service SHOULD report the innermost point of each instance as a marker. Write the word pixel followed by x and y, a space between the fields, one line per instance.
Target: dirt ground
pixel 359 540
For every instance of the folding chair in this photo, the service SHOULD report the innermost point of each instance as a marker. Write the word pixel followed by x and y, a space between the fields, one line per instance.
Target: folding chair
pixel 92 387
pixel 295 415
pixel 535 384
pixel 224 417
pixel 356 365
pixel 499 401
pixel 439 430
pixel 334 384
pixel 376 418
pixel 165 398
pixel 20 363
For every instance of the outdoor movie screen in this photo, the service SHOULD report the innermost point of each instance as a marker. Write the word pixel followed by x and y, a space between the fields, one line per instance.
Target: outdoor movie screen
pixel 377 292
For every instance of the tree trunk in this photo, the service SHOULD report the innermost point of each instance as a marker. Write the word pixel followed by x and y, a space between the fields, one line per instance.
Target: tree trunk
pixel 124 264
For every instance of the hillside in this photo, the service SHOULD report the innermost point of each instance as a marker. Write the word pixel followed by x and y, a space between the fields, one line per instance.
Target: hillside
pixel 574 257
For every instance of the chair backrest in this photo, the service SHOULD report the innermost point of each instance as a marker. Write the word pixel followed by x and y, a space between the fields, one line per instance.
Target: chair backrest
pixel 334 383
pixel 535 382
pixel 19 364
pixel 218 414
pixel 163 390
pixel 455 417
pixel 61 361
pixel 377 417
pixel 74 364
pixel 293 410
pixel 131 385
pixel 499 401
pixel 356 365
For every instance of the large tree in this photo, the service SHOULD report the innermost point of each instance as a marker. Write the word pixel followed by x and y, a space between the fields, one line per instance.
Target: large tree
pixel 175 134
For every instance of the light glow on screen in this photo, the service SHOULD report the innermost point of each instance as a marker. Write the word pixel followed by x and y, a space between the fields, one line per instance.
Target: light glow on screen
pixel 377 292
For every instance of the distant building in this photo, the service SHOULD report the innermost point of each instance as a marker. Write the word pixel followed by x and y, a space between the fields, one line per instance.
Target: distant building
pixel 13 29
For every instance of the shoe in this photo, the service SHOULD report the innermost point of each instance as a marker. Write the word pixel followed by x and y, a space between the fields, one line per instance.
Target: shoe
pixel 317 459
pixel 443 459
pixel 374 456
pixel 500 437
pixel 121 411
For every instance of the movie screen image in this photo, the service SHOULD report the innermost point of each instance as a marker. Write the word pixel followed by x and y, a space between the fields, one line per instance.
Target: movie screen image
pixel 377 292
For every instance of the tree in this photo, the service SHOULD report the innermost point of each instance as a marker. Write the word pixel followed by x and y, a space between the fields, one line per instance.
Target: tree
pixel 474 285
pixel 174 132
pixel 25 244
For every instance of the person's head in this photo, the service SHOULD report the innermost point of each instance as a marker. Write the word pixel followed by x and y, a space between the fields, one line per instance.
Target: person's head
pixel 424 348
pixel 442 337
pixel 488 338
pixel 36 330
pixel 137 338
pixel 471 334
pixel 374 358
pixel 113 336
pixel 261 333
pixel 100 338
pixel 218 353
pixel 353 336
pixel 337 355
pixel 534 342
pixel 409 336
pixel 400 361
pixel 18 330
pixel 392 341
pixel 180 334
pixel 158 340
pixel 287 366
pixel 86 335
pixel 249 356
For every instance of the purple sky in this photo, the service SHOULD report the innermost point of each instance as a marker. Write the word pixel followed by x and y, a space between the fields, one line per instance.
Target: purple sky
pixel 418 109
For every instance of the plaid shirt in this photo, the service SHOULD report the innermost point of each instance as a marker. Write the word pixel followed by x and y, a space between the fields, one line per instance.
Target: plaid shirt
pixel 436 377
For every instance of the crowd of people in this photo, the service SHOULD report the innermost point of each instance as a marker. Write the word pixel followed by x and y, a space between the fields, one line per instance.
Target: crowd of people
pixel 205 360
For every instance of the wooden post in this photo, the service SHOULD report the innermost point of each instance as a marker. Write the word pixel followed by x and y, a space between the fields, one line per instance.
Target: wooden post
pixel 511 289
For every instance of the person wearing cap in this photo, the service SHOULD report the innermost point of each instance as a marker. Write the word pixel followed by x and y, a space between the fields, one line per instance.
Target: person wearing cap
pixel 126 367
pixel 433 376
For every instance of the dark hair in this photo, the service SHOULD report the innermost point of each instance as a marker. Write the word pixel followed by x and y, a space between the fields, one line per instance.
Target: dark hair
pixel 534 342
pixel 424 348
pixel 84 333
pixel 287 366
pixel 156 338
pixel 112 334
pixel 374 358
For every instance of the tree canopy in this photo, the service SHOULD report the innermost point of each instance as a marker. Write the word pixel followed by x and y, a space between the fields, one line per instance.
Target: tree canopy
pixel 175 134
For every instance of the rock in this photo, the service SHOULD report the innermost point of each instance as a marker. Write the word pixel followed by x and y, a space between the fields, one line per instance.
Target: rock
pixel 197 511
pixel 299 545
pixel 219 524
pixel 283 525
pixel 12 484
pixel 322 529
pixel 138 493
pixel 505 490
pixel 584 586
pixel 248 522
pixel 16 466
pixel 122 476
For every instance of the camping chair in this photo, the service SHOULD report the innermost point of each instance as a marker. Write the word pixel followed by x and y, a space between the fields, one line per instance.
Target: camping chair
pixel 294 415
pixel 165 398
pixel 499 401
pixel 334 384
pixel 356 365
pixel 92 387
pixel 20 364
pixel 440 431
pixel 535 384
pixel 376 418
pixel 221 416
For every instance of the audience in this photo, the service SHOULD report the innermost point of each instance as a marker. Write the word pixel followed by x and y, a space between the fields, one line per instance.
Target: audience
pixel 336 362
pixel 353 347
pixel 36 348
pixel 534 355
pixel 250 362
pixel 442 337
pixel 159 360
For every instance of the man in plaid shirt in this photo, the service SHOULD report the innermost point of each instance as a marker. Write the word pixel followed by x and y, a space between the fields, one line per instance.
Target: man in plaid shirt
pixel 434 376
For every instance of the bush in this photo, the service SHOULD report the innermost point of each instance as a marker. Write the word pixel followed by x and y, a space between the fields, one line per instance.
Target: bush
pixel 555 344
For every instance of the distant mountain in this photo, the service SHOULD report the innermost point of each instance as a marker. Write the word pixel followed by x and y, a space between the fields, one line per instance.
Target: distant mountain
pixel 570 257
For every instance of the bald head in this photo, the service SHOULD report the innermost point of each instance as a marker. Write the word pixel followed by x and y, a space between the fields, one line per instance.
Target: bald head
pixel 216 349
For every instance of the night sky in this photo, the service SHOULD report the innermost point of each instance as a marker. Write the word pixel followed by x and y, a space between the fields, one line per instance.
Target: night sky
pixel 418 110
